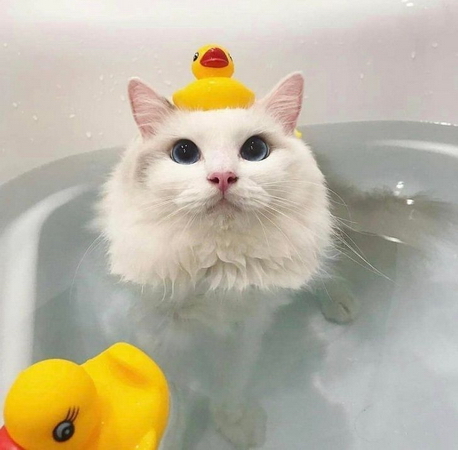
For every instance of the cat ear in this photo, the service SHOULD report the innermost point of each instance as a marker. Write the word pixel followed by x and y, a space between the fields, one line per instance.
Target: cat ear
pixel 284 102
pixel 149 109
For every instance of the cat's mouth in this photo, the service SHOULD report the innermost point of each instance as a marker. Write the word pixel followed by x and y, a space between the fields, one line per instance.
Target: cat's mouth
pixel 223 205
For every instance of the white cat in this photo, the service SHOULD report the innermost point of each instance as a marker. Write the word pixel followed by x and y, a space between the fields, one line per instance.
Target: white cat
pixel 219 213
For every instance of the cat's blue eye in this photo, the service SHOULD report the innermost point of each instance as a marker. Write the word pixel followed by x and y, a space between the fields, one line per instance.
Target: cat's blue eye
pixel 254 149
pixel 185 152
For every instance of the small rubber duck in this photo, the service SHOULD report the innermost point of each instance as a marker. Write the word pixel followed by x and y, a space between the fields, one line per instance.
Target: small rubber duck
pixel 117 400
pixel 214 88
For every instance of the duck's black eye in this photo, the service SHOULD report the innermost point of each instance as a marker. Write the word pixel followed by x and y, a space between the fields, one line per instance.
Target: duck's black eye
pixel 254 149
pixel 196 55
pixel 185 152
pixel 63 431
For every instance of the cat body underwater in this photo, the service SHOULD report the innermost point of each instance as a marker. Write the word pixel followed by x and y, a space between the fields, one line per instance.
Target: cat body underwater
pixel 219 215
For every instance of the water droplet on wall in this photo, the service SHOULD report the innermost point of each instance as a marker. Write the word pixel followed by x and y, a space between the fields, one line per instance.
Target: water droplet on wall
pixel 15 105
pixel 168 82
pixel 35 117
pixel 101 77
pixel 71 116
pixel 123 98
pixel 434 45
pixel 413 55
pixel 88 134
pixel 361 75
pixel 5 44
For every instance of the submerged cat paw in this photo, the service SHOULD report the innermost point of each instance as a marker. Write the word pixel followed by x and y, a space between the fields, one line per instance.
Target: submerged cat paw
pixel 244 425
pixel 338 303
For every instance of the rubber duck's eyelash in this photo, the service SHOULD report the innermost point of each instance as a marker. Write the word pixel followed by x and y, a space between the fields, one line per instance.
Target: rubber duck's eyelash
pixel 230 56
pixel 72 414
pixel 196 55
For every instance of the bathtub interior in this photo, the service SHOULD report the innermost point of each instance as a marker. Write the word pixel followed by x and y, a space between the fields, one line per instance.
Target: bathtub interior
pixel 385 380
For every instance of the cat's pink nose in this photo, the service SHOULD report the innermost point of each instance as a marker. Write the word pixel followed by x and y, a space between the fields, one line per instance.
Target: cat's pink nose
pixel 223 180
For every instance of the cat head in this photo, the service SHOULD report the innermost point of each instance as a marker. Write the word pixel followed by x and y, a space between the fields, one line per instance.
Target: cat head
pixel 219 161
pixel 230 193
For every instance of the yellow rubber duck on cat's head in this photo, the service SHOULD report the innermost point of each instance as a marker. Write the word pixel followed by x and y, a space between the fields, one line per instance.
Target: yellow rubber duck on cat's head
pixel 117 400
pixel 214 88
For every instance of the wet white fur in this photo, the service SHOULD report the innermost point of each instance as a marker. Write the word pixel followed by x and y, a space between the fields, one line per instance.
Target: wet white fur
pixel 158 216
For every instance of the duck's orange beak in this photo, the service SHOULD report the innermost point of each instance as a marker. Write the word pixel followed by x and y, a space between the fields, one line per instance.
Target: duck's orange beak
pixel 214 57
pixel 6 443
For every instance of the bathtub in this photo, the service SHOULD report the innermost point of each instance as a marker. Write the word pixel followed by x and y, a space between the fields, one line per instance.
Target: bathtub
pixel 379 108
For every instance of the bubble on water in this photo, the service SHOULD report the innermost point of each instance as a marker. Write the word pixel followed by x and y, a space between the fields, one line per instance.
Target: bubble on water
pixel 15 105
pixel 400 185
pixel 88 134
pixel 410 202
pixel 434 45
pixel 409 4
pixel 413 55
pixel 35 117
pixel 72 116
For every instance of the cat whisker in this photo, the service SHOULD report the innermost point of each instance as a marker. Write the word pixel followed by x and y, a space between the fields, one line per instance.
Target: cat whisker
pixel 288 182
pixel 286 237
pixel 94 244
pixel 264 231
pixel 367 265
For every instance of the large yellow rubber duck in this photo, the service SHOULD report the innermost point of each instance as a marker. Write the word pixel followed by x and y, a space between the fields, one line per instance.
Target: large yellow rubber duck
pixel 118 400
pixel 214 88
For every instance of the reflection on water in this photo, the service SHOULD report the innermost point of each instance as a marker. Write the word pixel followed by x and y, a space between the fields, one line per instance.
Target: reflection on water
pixel 385 380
